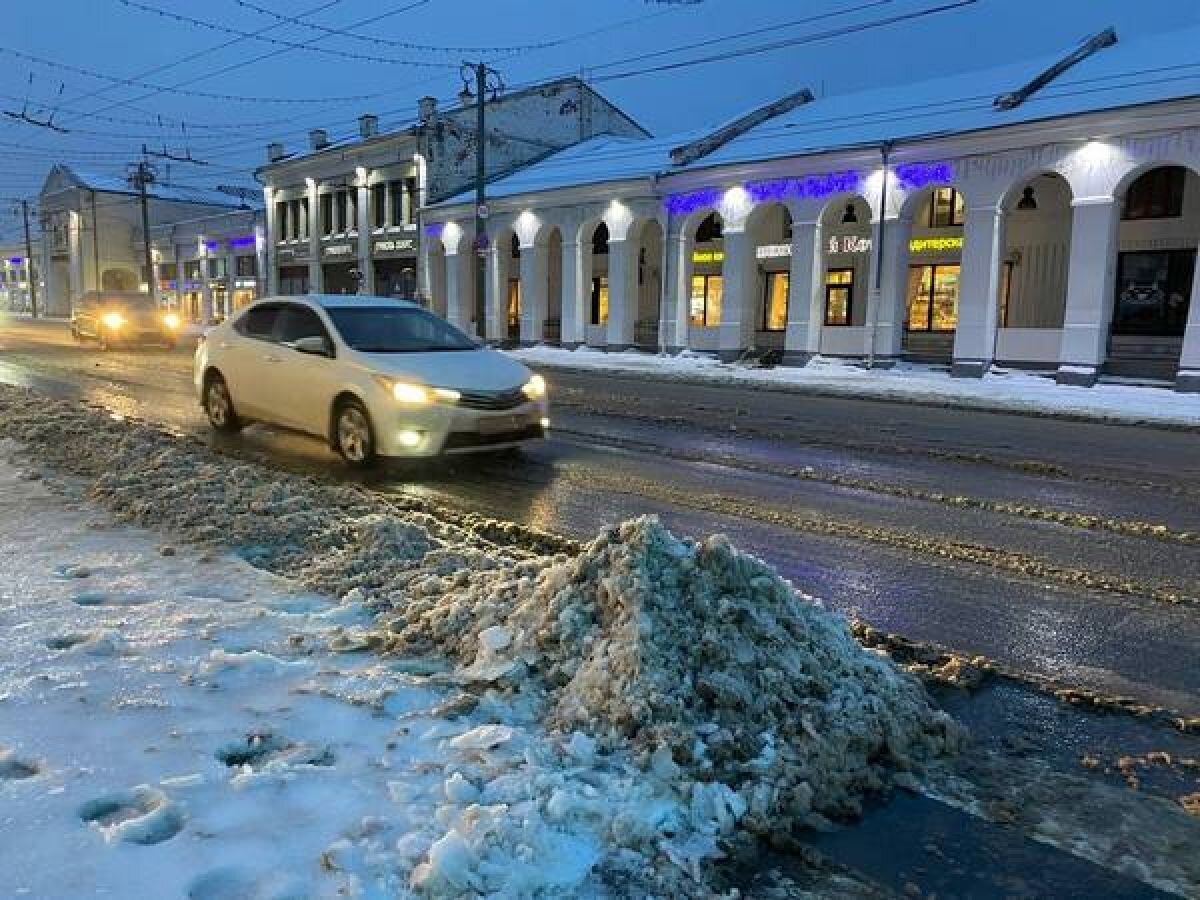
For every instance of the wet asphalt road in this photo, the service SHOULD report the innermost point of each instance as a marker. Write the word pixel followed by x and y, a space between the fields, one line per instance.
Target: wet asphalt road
pixel 1026 540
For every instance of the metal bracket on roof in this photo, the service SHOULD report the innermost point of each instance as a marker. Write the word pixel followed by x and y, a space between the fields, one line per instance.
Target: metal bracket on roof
pixel 1095 43
pixel 689 153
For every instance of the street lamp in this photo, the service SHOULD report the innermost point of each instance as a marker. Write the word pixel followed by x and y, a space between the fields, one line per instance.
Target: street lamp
pixel 486 80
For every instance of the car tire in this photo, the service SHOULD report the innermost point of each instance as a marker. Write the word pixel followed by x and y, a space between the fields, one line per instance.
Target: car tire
pixel 353 434
pixel 218 405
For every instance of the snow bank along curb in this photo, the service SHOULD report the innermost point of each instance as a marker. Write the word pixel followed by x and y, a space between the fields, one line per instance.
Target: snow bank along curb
pixel 1001 391
pixel 754 701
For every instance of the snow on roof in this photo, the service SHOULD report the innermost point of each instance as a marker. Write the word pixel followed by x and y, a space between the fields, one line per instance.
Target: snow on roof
pixel 115 184
pixel 1154 68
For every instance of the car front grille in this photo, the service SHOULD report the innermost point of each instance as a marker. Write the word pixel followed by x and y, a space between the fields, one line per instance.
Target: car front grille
pixel 467 440
pixel 492 401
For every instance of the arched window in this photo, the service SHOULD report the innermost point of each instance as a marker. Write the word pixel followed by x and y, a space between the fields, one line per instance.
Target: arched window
pixel 1157 194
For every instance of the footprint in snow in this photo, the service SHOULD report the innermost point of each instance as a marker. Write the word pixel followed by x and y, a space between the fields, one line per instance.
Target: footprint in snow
pixel 66 641
pixel 239 884
pixel 103 598
pixel 261 749
pixel 73 571
pixel 141 815
pixel 14 768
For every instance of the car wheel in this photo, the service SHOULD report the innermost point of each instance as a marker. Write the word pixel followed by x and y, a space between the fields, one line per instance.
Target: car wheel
pixel 353 436
pixel 218 405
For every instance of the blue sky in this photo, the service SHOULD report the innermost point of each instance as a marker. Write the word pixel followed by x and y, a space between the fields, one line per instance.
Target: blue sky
pixel 111 37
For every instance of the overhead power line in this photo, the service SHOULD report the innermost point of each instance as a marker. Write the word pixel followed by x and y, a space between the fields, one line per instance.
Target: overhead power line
pixel 388 42
pixel 162 88
pixel 288 45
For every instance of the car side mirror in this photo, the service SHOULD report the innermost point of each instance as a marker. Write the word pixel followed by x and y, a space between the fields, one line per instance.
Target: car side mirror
pixel 315 346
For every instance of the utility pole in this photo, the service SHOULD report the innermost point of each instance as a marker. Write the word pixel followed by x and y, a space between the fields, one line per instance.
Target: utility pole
pixel 479 73
pixel 30 274
pixel 143 175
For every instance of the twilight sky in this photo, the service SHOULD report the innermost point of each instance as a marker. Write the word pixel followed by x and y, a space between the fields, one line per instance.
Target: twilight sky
pixel 107 122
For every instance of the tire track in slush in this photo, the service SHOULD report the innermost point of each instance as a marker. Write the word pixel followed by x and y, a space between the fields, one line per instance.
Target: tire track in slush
pixel 933 550
pixel 1124 527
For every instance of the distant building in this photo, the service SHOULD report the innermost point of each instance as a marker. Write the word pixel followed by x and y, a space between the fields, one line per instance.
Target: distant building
pixel 344 218
pixel 92 231
pixel 211 266
pixel 15 274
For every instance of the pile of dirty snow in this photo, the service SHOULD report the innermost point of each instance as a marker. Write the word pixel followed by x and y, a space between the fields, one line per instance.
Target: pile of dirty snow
pixel 754 704
pixel 706 660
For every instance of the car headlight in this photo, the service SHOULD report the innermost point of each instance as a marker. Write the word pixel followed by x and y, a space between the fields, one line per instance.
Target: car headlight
pixel 535 388
pixel 113 320
pixel 172 321
pixel 410 394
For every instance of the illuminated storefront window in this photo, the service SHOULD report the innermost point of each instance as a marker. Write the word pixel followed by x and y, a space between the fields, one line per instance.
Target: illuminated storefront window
pixel 775 303
pixel 839 296
pixel 946 208
pixel 933 298
pixel 707 291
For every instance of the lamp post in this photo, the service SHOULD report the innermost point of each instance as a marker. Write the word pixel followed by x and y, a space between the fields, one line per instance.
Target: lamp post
pixel 486 80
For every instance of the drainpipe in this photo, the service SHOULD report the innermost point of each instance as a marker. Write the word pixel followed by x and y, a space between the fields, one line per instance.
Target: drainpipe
pixel 885 151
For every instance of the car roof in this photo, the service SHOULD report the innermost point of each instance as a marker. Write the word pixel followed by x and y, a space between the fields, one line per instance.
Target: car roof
pixel 341 301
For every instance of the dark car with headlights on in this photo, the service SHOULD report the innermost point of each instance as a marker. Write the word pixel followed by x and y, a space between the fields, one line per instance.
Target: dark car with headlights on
pixel 124 319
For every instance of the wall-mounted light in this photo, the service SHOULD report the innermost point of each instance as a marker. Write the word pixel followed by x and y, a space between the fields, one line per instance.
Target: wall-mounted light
pixel 1027 201
pixel 850 216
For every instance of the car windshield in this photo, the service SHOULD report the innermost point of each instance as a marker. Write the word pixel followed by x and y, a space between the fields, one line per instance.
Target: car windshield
pixel 383 329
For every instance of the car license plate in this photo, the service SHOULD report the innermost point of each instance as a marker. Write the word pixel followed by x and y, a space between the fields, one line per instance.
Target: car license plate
pixel 493 425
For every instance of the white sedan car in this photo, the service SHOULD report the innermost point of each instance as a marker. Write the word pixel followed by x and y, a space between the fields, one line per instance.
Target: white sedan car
pixel 374 377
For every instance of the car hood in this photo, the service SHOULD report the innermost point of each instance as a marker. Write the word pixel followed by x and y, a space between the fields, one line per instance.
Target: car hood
pixel 462 370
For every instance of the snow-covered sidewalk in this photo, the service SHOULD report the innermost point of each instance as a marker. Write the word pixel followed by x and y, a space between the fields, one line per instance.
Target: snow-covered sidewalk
pixel 1001 390
pixel 179 724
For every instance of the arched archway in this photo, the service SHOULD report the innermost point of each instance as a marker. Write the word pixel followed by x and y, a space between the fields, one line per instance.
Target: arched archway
pixel 596 312
pixel 1157 237
pixel 770 230
pixel 649 285
pixel 551 331
pixel 935 253
pixel 1032 296
pixel 706 282
pixel 844 280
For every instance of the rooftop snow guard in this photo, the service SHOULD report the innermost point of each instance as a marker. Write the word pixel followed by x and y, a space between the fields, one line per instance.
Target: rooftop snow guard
pixel 709 663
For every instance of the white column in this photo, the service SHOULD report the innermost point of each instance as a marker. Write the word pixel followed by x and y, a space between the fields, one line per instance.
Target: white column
pixel 496 324
pixel 979 291
pixel 268 258
pixel 460 287
pixel 267 279
pixel 314 238
pixel 622 294
pixel 806 295
pixel 676 312
pixel 1091 279
pixel 535 285
pixel 885 307
pixel 75 257
pixel 1188 378
pixel 48 304
pixel 366 283
pixel 738 301
pixel 576 287
pixel 230 278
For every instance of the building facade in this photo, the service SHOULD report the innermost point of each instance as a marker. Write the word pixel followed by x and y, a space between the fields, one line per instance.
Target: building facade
pixel 346 218
pixel 210 267
pixel 18 274
pixel 92 231
pixel 1057 235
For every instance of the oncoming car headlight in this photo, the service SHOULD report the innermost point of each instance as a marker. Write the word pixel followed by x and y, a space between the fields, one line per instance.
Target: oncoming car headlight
pixel 113 320
pixel 172 321
pixel 535 388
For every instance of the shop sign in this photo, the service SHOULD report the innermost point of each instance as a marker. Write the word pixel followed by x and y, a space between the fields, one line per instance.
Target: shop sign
pixel 406 246
pixel 708 256
pixel 336 250
pixel 244 283
pixel 849 243
pixel 935 244
pixel 288 254
pixel 773 251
